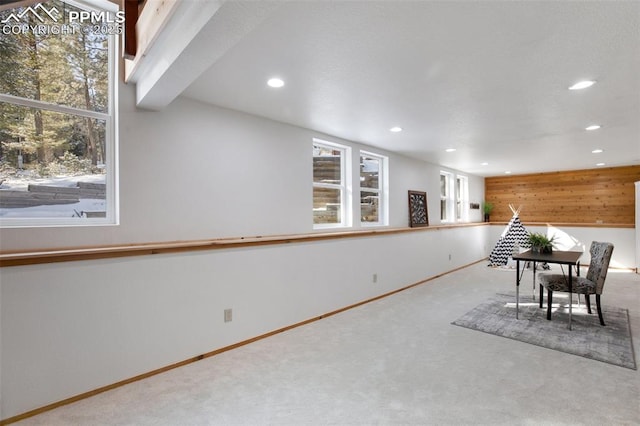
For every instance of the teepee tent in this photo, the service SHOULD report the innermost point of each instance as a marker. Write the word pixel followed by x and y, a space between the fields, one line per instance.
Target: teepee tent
pixel 515 232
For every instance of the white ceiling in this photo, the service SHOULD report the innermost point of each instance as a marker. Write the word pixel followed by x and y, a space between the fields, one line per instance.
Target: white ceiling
pixel 487 78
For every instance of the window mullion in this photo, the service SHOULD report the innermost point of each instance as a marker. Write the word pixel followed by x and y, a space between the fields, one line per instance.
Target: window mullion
pixel 48 106
pixel 328 185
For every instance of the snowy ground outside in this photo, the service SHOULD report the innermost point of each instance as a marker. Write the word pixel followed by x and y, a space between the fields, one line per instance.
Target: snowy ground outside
pixel 21 182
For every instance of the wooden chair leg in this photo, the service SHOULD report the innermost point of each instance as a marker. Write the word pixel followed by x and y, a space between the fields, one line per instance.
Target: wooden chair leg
pixel 599 309
pixel 586 298
pixel 541 294
pixel 549 298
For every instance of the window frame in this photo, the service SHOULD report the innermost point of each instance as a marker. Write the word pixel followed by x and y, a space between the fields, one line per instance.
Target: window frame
pixel 447 215
pixel 462 198
pixel 111 133
pixel 344 186
pixel 382 190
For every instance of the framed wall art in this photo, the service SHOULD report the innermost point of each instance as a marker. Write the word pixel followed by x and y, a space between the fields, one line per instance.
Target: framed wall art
pixel 418 215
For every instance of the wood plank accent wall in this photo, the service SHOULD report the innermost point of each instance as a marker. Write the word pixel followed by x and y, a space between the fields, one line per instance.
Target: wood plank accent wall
pixel 604 195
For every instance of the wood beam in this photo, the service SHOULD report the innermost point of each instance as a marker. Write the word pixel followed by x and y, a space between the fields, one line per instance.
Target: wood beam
pixel 130 21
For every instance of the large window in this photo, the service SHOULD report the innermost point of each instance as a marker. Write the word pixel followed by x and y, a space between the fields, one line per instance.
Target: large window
pixel 373 193
pixel 462 199
pixel 57 113
pixel 330 187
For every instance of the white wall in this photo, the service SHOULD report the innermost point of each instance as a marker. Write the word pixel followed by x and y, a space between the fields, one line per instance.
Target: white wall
pixel 580 238
pixel 72 327
pixel 190 172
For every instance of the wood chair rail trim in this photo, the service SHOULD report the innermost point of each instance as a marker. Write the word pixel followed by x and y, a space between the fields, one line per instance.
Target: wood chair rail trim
pixel 34 257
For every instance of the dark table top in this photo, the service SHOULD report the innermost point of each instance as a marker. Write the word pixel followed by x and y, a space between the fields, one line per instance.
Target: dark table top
pixel 561 257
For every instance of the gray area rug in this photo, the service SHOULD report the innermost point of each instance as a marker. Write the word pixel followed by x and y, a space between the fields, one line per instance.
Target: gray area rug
pixel 611 343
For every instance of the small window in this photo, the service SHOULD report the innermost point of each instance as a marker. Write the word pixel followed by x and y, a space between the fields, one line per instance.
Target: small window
pixel 57 115
pixel 373 193
pixel 446 197
pixel 330 167
pixel 462 199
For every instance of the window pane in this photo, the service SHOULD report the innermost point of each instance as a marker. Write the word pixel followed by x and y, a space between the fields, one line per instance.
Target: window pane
pixel 369 172
pixel 52 165
pixel 462 198
pixel 68 67
pixel 444 199
pixel 326 205
pixel 458 194
pixel 327 164
pixel 369 206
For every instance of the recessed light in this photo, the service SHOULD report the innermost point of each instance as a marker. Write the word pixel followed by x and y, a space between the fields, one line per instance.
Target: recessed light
pixel 484 164
pixel 600 164
pixel 593 127
pixel 596 151
pixel 508 172
pixel 450 149
pixel 395 129
pixel 275 82
pixel 582 85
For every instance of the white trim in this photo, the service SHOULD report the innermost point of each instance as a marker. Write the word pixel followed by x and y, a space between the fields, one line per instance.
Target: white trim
pixel 345 187
pixel 111 135
pixel 382 190
pixel 449 198
pixel 463 200
pixel 48 106
pixel 112 148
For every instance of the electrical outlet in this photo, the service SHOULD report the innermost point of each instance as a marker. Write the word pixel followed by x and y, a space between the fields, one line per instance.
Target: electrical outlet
pixel 228 315
pixel 375 278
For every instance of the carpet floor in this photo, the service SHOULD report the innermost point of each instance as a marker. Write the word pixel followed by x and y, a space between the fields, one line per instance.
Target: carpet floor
pixel 587 338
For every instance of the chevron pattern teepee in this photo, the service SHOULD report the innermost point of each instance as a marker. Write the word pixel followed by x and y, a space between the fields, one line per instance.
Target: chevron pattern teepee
pixel 515 232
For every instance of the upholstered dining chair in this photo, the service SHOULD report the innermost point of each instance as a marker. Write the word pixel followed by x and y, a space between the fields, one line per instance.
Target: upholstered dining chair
pixel 593 283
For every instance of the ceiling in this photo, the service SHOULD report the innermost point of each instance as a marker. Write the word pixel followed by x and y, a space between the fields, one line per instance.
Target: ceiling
pixel 489 79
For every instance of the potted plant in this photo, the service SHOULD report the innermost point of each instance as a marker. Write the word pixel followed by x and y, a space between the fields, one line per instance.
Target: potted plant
pixel 487 207
pixel 540 243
